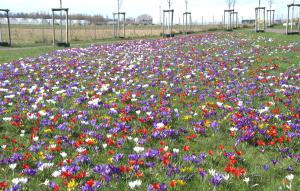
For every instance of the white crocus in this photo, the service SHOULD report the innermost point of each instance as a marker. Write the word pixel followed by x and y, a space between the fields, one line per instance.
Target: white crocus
pixel 135 184
pixel 19 180
pixel 46 183
pixel 246 179
pixel 56 173
pixel 175 150
pixel 35 138
pixel 138 149
pixel 290 177
pixel 7 118
pixel 63 154
pixel 9 96
pixel 13 166
pixel 160 125
pixel 226 177
pixel 212 172
pixel 136 139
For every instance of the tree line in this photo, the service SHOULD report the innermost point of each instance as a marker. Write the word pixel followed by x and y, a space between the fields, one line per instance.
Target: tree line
pixel 36 15
pixel 98 19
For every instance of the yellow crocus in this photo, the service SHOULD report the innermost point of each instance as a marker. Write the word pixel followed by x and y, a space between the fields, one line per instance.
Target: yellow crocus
pixel 71 185
pixel 181 182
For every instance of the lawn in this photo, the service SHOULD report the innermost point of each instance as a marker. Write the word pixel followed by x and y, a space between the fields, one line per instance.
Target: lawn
pixel 18 52
pixel 212 111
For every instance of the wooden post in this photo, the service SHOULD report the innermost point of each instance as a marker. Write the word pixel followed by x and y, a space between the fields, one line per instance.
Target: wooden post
pixel 67 27
pixel 288 20
pixel 124 21
pixel 163 26
pixel 53 28
pixel 9 32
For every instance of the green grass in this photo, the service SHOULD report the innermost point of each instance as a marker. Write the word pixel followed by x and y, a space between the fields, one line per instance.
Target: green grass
pixel 16 51
pixel 253 159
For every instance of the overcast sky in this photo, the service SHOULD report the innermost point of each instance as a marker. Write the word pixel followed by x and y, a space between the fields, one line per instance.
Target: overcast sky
pixel 209 9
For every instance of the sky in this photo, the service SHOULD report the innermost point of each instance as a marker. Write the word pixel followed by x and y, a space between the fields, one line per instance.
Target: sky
pixel 209 9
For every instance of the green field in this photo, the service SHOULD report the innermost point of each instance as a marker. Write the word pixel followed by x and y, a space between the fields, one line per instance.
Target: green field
pixel 209 111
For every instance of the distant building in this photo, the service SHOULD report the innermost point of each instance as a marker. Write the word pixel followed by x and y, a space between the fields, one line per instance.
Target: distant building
pixel 248 22
pixel 28 21
pixel 144 20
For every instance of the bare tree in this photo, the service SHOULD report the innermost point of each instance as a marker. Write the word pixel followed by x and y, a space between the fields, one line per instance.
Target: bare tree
pixel 170 3
pixel 233 4
pixel 270 3
pixel 118 22
pixel 229 3
pixel 120 2
pixel 186 5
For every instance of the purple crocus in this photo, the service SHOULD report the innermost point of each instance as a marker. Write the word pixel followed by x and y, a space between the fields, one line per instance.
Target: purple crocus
pixel 216 179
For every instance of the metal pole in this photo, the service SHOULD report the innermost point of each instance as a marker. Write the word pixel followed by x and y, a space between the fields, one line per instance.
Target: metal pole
pixel 255 19
pixel 9 34
pixel 71 35
pixel 169 23
pixel 124 24
pixel 299 22
pixel 95 31
pixel 0 33
pixel 172 23
pixel 182 22
pixel 292 20
pixel 258 19
pixel 67 27
pixel 151 28
pixel 190 22
pixel 186 23
pixel 264 19
pixel 53 41
pixel 61 30
pixel 118 19
pixel 224 25
pixel 273 18
pixel 114 23
pixel 288 20
pixel 163 26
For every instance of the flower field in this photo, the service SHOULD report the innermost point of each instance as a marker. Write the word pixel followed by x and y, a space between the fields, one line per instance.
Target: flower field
pixel 215 111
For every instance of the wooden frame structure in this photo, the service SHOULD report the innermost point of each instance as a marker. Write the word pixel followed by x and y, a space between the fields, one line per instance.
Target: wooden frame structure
pixel 270 18
pixel 235 20
pixel 227 19
pixel 66 43
pixel 6 43
pixel 290 29
pixel 167 27
pixel 260 19
pixel 187 22
pixel 117 26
